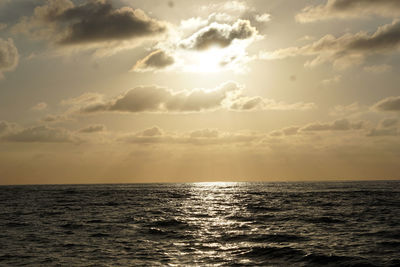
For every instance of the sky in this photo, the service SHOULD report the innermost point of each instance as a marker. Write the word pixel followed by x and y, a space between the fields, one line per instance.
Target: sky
pixel 125 91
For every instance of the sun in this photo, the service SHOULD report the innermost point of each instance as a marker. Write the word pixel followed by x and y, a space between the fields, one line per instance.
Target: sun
pixel 214 59
pixel 210 60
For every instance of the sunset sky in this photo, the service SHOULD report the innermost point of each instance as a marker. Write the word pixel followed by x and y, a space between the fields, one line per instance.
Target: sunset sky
pixel 189 91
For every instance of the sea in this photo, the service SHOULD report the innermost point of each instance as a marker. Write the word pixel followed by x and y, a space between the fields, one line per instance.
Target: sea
pixel 201 224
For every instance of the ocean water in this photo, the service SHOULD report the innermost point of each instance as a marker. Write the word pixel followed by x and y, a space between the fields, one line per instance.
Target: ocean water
pixel 204 224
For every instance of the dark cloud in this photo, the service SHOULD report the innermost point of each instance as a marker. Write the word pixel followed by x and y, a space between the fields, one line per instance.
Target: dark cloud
pixel 8 56
pixel 221 35
pixel 97 21
pixel 338 125
pixel 386 38
pixel 154 61
pixel 388 104
pixel 95 128
pixel 350 9
pixel 90 22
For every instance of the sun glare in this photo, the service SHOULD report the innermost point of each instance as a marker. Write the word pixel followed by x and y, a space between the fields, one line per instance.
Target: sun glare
pixel 205 61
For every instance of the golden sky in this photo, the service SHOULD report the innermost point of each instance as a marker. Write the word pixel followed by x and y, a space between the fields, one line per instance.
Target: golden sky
pixel 181 91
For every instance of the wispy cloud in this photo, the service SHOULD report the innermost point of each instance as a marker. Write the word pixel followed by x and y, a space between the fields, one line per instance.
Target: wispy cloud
pixel 388 104
pixel 377 69
pixel 346 50
pixel 40 106
pixel 349 9
pixel 94 128
pixel 9 56
pixel 156 60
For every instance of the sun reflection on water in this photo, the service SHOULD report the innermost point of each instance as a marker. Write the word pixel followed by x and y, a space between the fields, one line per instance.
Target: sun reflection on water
pixel 216 184
pixel 211 207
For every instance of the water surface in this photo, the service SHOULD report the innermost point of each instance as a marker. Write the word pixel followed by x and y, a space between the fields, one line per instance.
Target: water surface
pixel 221 224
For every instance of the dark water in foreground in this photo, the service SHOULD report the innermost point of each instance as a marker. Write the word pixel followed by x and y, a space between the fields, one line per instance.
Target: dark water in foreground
pixel 242 224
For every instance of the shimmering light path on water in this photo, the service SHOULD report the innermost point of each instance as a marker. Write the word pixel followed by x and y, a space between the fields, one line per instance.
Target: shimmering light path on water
pixel 268 224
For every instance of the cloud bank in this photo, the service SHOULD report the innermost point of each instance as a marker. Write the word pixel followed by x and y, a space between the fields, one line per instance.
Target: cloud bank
pixel 228 95
pixel 337 125
pixel 39 134
pixel 212 137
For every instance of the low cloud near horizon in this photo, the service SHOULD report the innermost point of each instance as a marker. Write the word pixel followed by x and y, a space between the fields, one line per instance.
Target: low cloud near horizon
pixel 228 95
